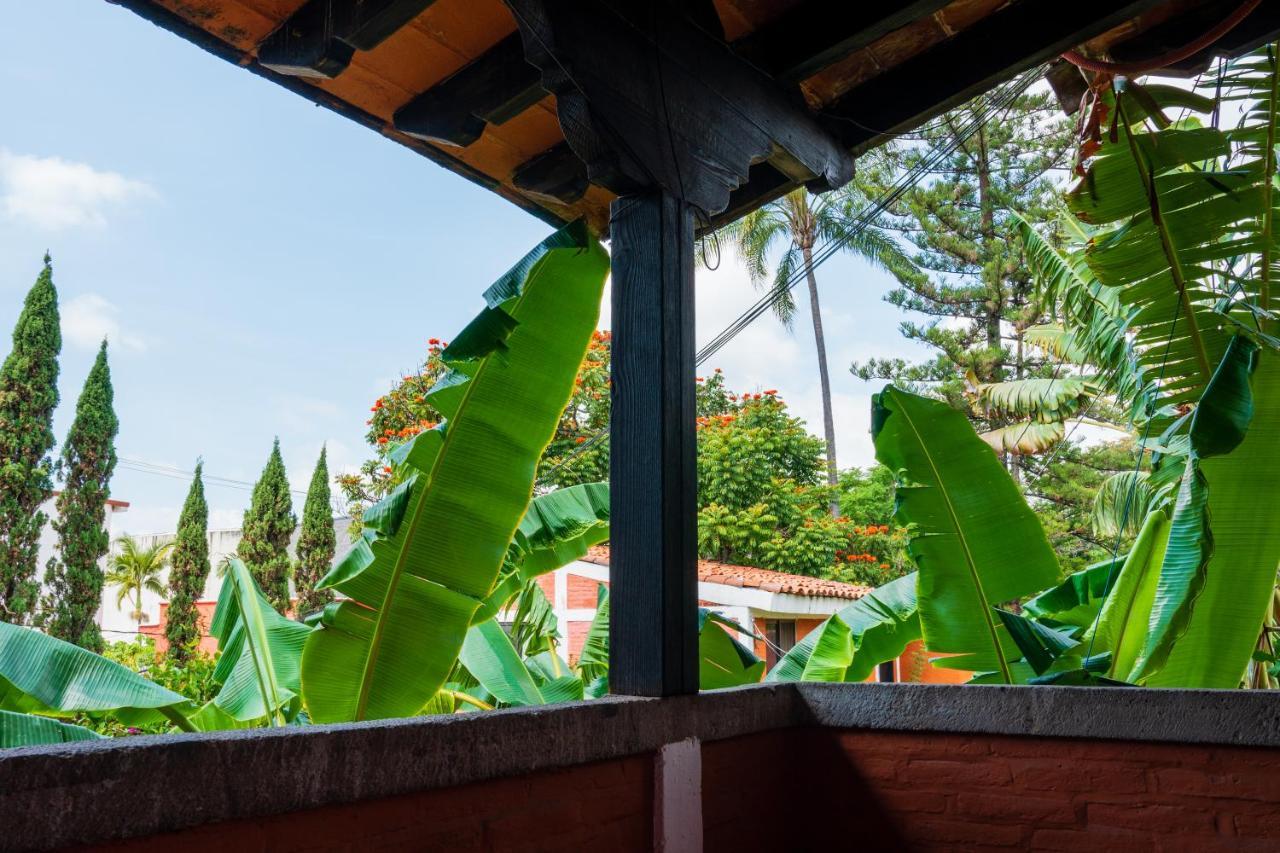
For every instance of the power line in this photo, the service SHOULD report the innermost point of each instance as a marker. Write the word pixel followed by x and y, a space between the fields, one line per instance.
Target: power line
pixel 1003 99
pixel 140 466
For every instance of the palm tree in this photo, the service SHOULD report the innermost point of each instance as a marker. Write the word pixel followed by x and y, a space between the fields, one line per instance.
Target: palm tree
pixel 804 221
pixel 134 569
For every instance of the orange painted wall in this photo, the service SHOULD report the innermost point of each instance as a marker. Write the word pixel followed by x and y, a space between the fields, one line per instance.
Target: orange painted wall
pixel 205 609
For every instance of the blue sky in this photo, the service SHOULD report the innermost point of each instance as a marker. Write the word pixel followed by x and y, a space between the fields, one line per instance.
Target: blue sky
pixel 264 267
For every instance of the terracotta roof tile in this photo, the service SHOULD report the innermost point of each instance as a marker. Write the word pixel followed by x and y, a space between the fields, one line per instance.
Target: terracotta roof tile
pixel 713 571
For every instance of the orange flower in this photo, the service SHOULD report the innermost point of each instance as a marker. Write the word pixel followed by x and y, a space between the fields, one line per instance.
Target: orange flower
pixel 884 566
pixel 580 439
pixel 849 558
pixel 386 468
pixel 382 439
pixel 772 392
pixel 718 370
pixel 698 379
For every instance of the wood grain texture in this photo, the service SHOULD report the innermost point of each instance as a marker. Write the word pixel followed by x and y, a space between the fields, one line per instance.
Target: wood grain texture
pixel 653 632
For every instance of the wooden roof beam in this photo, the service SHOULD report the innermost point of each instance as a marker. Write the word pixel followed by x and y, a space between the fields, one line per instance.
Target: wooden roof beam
pixel 493 89
pixel 319 39
pixel 999 46
pixel 647 98
pixel 556 175
pixel 814 34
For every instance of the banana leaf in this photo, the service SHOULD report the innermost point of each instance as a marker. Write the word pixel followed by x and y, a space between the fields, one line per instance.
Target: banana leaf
pixel 488 655
pixel 1122 624
pixel 722 660
pixel 851 643
pixel 1042 399
pixel 1214 592
pixel 43 675
pixel 593 660
pixel 1024 438
pixel 558 528
pixel 1077 599
pixel 1040 645
pixel 418 577
pixel 974 540
pixel 29 730
pixel 260 653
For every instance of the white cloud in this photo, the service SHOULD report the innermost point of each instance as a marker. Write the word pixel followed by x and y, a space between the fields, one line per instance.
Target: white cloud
pixel 52 193
pixel 88 318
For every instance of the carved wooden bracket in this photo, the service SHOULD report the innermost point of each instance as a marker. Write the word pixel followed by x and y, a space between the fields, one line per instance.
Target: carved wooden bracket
pixel 649 98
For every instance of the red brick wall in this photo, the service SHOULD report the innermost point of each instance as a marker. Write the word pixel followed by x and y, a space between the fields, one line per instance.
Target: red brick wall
pixel 976 792
pixel 581 592
pixel 604 806
pixel 204 618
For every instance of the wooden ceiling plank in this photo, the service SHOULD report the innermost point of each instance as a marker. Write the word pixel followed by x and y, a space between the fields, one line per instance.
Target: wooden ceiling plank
pixel 817 33
pixel 491 90
pixel 320 38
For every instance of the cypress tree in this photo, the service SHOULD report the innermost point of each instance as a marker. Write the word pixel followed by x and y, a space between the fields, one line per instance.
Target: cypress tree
pixel 28 396
pixel 268 525
pixel 316 543
pixel 188 570
pixel 74 576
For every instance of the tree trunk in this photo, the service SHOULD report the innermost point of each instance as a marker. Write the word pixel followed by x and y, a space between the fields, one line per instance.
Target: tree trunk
pixel 828 421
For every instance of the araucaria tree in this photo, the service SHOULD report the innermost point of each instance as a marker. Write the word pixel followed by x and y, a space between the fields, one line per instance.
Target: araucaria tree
pixel 978 294
pixel 74 576
pixel 316 542
pixel 268 524
pixel 28 396
pixel 188 570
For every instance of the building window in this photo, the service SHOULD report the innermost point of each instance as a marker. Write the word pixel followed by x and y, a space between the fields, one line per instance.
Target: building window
pixel 780 637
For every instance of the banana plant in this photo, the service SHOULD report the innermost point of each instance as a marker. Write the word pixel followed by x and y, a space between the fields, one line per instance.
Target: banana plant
pixel 44 676
pixel 259 655
pixel 433 549
pixel 31 730
pixel 974 540
pixel 851 643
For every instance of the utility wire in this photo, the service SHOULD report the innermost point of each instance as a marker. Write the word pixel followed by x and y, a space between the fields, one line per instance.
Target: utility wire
pixel 1003 98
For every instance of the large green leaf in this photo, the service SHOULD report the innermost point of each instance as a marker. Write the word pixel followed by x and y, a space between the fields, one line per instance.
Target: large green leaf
pixel 29 730
pixel 44 675
pixel 1077 599
pixel 415 582
pixel 974 540
pixel 1047 400
pixel 260 651
pixel 593 660
pixel 1122 624
pixel 559 527
pixel 488 655
pixel 851 643
pixel 1208 615
pixel 722 660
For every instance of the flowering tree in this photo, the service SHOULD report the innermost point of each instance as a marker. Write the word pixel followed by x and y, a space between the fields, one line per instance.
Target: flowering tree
pixel 762 496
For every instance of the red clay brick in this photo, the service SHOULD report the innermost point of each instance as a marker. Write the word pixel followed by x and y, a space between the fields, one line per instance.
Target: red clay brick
pixel 1093 840
pixel 963 832
pixel 1245 784
pixel 1017 808
pixel 935 773
pixel 1151 817
pixel 910 802
pixel 1064 775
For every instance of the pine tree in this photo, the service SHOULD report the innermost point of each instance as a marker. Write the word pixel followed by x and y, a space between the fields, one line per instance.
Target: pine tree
pixel 28 396
pixel 189 568
pixel 316 543
pixel 978 295
pixel 268 525
pixel 74 576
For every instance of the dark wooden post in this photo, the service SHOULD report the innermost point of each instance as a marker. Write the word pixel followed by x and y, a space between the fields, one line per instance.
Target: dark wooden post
pixel 653 632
